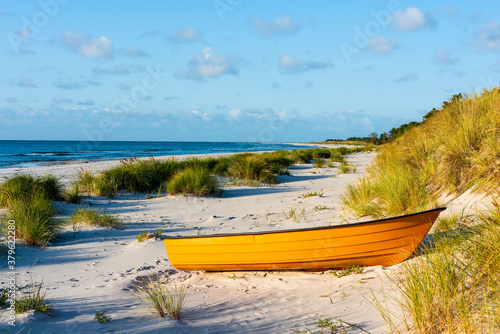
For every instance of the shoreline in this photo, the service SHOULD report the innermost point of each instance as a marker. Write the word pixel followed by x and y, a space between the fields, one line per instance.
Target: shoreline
pixel 143 153
pixel 69 167
pixel 97 268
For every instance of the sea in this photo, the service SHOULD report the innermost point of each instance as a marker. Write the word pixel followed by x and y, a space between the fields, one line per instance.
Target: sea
pixel 27 153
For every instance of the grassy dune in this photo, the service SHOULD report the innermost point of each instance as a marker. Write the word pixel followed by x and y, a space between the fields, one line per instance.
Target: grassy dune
pixel 455 149
pixel 197 175
pixel 28 200
pixel 453 287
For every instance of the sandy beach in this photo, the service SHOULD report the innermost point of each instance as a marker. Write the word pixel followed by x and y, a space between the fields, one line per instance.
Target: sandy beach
pixel 95 269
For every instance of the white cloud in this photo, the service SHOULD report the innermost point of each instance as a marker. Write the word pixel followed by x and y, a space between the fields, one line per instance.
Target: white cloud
pixel 208 64
pixel 281 25
pixel 411 19
pixel 409 77
pixel 381 45
pixel 444 57
pixel 132 51
pixel 292 65
pixel 91 48
pixel 185 35
pixel 68 84
pixel 60 99
pixel 199 115
pixel 118 69
pixel 151 34
pixel 87 102
pixel 24 82
pixel 488 37
pixel 234 114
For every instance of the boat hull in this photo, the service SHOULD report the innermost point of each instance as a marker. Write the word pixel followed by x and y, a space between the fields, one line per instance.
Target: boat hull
pixel 382 242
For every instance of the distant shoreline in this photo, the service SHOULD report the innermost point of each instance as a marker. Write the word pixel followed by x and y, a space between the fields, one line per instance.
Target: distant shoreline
pixel 16 154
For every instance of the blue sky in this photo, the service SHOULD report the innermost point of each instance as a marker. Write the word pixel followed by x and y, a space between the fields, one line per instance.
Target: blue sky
pixel 236 70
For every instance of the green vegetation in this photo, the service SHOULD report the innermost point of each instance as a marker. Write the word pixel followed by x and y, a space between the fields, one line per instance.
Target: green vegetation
pixel 73 195
pixel 319 163
pixel 4 297
pixel 348 271
pixel 28 200
pixel 345 168
pixel 328 325
pixel 33 215
pixel 194 180
pixel 295 212
pixel 96 184
pixel 101 317
pixel 22 187
pixel 452 150
pixel 35 298
pixel 337 157
pixel 453 287
pixel 196 175
pixel 312 194
pixel 146 236
pixel 165 300
pixel 87 216
pixel 250 167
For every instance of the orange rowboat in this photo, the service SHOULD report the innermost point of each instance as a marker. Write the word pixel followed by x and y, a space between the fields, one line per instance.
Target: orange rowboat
pixel 380 242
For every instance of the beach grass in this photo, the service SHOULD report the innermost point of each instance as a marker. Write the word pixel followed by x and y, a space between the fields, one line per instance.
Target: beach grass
pixel 194 180
pixel 153 175
pixel 454 287
pixel 32 297
pixel 344 168
pixel 165 300
pixel 250 167
pixel 73 194
pixel 34 218
pixel 336 156
pixel 102 317
pixel 313 193
pixel 136 175
pixel 328 325
pixel 454 150
pixel 21 187
pixel 353 270
pixel 52 187
pixel 94 217
pixel 302 156
pixel 95 184
pixel 319 163
pixel 359 198
pixel 146 236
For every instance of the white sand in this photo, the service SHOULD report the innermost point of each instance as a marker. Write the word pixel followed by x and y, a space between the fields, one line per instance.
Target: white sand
pixel 96 268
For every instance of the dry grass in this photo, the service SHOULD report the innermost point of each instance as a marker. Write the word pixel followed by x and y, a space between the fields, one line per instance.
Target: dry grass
pixel 165 300
pixel 456 149
pixel 87 216
pixel 454 286
pixel 194 180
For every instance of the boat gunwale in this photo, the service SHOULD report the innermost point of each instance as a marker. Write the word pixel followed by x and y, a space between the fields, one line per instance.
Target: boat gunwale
pixel 300 229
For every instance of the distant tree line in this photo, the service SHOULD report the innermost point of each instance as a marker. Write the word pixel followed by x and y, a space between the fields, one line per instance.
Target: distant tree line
pixel 395 133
